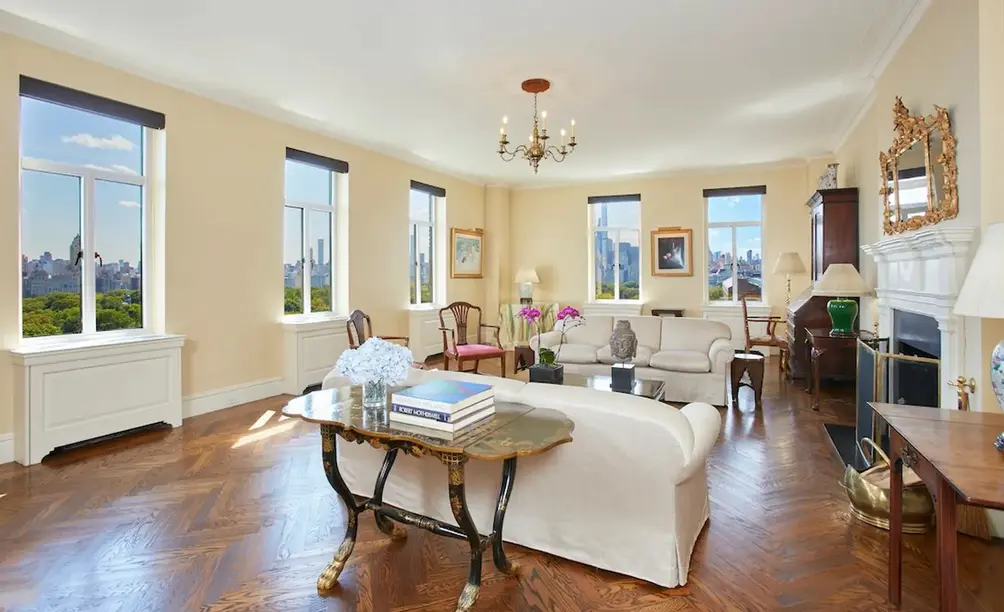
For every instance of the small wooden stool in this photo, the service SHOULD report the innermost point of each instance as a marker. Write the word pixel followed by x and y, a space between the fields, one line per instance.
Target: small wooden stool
pixel 751 362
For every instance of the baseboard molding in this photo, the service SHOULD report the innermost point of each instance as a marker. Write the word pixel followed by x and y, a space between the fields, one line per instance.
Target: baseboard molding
pixel 218 399
pixel 6 448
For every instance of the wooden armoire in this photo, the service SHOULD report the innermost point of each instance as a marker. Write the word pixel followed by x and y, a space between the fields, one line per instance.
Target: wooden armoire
pixel 834 240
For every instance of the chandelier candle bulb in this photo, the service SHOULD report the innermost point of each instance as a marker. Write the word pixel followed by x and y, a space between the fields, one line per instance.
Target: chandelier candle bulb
pixel 573 129
pixel 543 120
pixel 562 138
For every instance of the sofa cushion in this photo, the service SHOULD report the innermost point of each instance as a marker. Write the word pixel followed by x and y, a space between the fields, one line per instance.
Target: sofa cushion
pixel 647 328
pixel 691 334
pixel 577 353
pixel 681 361
pixel 595 331
pixel 641 358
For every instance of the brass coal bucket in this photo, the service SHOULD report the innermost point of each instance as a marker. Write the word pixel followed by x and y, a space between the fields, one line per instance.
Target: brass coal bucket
pixel 868 492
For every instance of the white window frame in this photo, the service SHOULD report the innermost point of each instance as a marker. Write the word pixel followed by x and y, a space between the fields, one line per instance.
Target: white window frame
pixel 414 226
pixel 708 226
pixel 615 231
pixel 88 296
pixel 306 262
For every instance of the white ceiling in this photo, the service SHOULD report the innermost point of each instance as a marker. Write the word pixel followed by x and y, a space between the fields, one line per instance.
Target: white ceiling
pixel 654 86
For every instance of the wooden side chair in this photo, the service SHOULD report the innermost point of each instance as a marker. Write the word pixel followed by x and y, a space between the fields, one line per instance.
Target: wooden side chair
pixel 360 329
pixel 455 345
pixel 771 339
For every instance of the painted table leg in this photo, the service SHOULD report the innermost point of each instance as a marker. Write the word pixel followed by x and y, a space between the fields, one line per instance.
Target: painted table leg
pixel 329 577
pixel 947 546
pixel 505 490
pixel 384 524
pixel 895 518
pixel 458 503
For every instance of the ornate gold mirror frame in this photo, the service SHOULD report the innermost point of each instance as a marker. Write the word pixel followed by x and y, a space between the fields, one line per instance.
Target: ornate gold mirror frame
pixel 910 130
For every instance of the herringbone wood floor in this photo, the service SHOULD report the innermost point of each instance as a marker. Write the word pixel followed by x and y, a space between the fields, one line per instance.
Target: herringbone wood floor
pixel 218 516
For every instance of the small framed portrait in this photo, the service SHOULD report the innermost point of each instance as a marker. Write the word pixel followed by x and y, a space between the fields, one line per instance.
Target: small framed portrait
pixel 466 246
pixel 672 252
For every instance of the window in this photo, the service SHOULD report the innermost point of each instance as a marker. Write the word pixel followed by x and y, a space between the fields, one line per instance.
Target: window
pixel 309 228
pixel 735 255
pixel 422 240
pixel 614 251
pixel 84 211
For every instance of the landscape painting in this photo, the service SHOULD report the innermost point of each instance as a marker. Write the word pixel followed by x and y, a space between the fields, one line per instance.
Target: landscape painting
pixel 467 253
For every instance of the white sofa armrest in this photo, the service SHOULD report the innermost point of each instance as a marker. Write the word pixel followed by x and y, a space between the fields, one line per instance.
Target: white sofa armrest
pixel 706 422
pixel 547 340
pixel 721 354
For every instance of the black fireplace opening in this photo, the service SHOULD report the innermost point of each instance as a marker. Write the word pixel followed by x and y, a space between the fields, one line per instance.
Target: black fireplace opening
pixel 913 382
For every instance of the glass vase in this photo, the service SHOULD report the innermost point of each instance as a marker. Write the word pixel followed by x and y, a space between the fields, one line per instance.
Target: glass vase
pixel 375 394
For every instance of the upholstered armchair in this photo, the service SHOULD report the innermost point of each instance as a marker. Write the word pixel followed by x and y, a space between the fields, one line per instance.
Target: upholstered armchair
pixel 455 344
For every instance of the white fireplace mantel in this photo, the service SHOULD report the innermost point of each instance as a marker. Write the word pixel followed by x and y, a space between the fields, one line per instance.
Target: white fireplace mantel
pixel 921 272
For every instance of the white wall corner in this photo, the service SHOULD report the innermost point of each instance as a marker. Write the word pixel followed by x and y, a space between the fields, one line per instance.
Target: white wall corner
pixel 6 448
pixel 228 397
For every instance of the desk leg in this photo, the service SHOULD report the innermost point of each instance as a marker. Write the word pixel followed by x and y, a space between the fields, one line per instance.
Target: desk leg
pixel 329 577
pixel 814 356
pixel 807 347
pixel 384 524
pixel 895 518
pixel 947 546
pixel 458 503
pixel 505 489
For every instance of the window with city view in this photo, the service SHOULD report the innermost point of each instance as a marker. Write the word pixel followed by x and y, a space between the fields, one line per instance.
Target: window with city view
pixel 735 256
pixel 421 240
pixel 308 223
pixel 615 255
pixel 83 211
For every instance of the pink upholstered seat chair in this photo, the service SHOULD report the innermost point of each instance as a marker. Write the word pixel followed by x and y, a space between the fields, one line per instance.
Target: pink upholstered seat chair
pixel 455 345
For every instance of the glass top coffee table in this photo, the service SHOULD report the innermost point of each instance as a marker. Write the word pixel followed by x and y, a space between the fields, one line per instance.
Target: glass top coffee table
pixel 652 389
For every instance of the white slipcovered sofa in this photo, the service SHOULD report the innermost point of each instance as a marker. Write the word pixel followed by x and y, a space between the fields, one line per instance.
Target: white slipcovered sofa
pixel 629 494
pixel 691 355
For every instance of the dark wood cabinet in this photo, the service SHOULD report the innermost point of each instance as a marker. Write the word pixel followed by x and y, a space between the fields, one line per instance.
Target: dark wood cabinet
pixel 834 236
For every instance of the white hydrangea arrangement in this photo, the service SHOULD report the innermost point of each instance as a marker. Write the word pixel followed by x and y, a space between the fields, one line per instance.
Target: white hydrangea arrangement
pixel 375 361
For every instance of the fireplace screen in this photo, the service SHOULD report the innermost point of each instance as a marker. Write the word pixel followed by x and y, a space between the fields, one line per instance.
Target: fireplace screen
pixel 891 378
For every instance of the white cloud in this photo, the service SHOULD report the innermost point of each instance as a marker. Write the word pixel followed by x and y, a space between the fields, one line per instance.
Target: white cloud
pixel 129 204
pixel 124 169
pixel 97 167
pixel 95 142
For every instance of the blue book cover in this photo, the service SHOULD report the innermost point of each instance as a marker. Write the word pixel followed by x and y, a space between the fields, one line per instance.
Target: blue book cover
pixel 450 395
pixel 441 416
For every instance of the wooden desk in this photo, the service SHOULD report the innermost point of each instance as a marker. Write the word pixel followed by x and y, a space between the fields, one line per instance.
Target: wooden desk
pixel 953 453
pixel 819 342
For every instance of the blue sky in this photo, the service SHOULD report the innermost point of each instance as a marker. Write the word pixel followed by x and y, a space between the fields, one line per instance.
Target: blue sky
pixel 51 202
pixel 309 185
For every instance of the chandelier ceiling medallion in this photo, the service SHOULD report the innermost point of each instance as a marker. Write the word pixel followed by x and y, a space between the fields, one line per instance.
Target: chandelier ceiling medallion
pixel 537 149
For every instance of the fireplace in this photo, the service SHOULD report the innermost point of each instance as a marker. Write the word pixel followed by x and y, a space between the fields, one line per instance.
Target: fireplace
pixel 914 382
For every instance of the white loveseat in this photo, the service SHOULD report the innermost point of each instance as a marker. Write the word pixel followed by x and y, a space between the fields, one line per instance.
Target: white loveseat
pixel 691 355
pixel 629 494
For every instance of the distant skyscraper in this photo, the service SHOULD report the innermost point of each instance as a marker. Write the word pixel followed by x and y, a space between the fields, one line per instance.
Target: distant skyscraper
pixel 320 251
pixel 749 256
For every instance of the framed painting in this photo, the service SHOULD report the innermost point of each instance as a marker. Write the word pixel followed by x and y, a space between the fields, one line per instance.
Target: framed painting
pixel 672 252
pixel 466 246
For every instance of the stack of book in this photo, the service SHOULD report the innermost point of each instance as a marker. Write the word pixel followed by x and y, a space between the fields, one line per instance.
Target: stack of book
pixel 442 408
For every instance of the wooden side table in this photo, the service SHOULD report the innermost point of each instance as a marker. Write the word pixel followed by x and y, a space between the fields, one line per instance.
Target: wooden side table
pixel 820 341
pixel 524 357
pixel 752 363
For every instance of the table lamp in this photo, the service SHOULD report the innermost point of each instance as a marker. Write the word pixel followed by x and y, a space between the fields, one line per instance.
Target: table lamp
pixel 840 282
pixel 982 295
pixel 788 263
pixel 526 277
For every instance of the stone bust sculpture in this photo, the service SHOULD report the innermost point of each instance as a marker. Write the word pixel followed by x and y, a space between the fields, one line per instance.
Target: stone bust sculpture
pixel 623 342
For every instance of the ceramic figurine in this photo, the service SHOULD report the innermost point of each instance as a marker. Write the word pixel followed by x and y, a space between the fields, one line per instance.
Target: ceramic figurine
pixel 829 179
pixel 623 342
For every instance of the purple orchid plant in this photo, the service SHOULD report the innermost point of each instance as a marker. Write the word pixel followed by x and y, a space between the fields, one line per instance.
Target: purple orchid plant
pixel 569 319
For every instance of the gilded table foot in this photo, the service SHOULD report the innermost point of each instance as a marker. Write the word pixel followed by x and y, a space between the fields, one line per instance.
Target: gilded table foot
pixel 468 597
pixel 329 577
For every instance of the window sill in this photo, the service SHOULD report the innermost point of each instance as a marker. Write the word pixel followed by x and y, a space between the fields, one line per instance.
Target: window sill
pixel 322 319
pixel 30 353
pixel 602 302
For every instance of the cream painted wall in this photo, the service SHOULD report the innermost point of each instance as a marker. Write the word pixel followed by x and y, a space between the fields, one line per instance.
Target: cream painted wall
pixel 939 63
pixel 225 193
pixel 498 275
pixel 550 230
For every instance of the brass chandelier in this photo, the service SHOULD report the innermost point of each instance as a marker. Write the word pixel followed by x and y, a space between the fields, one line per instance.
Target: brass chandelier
pixel 537 149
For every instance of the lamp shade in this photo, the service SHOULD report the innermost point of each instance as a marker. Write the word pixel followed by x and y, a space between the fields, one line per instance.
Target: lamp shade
pixel 841 280
pixel 982 293
pixel 527 275
pixel 789 263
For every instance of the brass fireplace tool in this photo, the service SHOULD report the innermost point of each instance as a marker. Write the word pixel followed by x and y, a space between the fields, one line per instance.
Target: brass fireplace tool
pixel 964 388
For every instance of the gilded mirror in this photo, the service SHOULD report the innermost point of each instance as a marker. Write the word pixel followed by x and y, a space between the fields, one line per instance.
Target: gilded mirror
pixel 918 171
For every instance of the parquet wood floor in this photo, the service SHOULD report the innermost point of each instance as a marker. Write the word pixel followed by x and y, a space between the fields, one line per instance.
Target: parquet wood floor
pixel 232 512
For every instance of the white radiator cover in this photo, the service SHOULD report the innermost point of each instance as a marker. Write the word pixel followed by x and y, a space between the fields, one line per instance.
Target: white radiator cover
pixel 70 393
pixel 310 350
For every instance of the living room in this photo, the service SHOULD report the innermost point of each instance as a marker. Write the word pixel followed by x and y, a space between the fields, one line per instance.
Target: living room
pixel 159 445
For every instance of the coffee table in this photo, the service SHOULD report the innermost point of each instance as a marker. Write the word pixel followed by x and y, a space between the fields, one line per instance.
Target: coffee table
pixel 515 430
pixel 652 389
